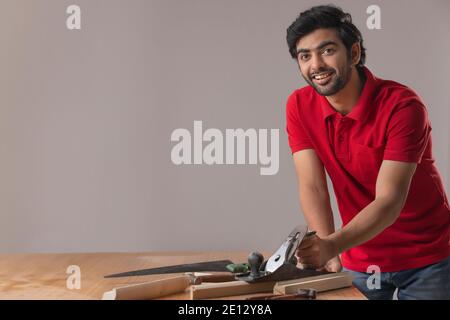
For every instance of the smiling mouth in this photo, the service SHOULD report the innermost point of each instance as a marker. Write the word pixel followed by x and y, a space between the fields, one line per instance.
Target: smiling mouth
pixel 322 78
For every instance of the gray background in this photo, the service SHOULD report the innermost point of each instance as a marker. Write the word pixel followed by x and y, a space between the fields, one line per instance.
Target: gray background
pixel 86 117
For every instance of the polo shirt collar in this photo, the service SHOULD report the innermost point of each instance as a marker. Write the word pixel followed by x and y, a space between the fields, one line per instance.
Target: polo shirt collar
pixel 362 109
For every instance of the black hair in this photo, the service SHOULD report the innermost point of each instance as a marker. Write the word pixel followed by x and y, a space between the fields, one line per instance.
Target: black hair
pixel 325 16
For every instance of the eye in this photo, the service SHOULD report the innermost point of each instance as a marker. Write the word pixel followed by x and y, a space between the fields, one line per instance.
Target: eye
pixel 328 51
pixel 303 56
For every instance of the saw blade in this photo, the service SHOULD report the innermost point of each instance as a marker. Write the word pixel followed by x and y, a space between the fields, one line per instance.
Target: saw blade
pixel 208 266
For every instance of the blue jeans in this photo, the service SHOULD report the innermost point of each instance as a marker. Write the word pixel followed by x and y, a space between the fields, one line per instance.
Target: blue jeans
pixel 431 282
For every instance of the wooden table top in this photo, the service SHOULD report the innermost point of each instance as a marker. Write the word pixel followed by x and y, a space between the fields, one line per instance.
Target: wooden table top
pixel 43 276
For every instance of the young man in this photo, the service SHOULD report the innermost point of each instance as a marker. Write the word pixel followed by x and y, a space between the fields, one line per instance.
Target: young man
pixel 373 137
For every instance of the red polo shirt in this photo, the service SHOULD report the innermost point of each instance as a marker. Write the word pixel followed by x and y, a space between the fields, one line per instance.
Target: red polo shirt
pixel 389 122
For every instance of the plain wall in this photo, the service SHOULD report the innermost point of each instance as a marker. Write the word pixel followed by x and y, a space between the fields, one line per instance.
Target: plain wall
pixel 86 117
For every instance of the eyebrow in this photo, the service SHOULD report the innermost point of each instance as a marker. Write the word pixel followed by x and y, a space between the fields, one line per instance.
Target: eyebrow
pixel 320 46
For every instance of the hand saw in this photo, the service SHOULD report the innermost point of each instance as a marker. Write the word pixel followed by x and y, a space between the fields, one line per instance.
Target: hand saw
pixel 208 266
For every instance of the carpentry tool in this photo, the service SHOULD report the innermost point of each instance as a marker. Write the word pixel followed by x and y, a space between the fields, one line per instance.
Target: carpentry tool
pixel 279 274
pixel 277 262
pixel 282 265
pixel 208 266
pixel 163 287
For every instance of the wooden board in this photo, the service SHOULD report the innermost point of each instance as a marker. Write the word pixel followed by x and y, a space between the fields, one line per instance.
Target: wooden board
pixel 319 283
pixel 149 290
pixel 235 288
pixel 226 289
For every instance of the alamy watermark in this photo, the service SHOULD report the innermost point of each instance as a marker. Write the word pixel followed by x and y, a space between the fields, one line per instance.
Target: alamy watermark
pixel 73 21
pixel 374 20
pixel 74 279
pixel 235 146
pixel 374 280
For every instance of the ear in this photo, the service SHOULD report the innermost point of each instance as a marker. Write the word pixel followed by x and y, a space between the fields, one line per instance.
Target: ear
pixel 356 53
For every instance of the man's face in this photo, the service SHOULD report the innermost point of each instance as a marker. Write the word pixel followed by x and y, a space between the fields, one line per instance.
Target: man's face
pixel 324 61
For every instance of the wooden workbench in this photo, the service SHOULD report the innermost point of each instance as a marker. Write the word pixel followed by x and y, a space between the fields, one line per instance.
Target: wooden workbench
pixel 43 276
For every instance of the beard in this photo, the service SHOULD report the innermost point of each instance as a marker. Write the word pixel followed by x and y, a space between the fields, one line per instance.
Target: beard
pixel 336 82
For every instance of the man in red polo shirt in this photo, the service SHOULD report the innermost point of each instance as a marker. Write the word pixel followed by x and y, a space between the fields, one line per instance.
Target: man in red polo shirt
pixel 373 138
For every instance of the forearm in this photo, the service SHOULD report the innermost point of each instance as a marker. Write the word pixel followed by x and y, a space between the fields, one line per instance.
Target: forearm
pixel 367 224
pixel 392 188
pixel 315 203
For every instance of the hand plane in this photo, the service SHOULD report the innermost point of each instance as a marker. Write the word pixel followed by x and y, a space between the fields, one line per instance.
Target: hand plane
pixel 282 265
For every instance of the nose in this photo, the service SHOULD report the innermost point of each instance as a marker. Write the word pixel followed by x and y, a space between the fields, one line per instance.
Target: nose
pixel 317 63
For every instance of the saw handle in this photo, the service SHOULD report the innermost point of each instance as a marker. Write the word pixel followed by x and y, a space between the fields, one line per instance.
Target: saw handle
pixel 214 277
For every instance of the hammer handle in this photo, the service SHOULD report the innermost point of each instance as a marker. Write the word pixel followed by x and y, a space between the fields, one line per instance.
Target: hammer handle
pixel 215 277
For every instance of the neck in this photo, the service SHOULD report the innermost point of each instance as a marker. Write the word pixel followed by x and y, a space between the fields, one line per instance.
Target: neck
pixel 345 100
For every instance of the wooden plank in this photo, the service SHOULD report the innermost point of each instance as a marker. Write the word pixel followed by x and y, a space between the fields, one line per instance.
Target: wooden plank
pixel 226 289
pixel 350 293
pixel 235 288
pixel 149 290
pixel 319 283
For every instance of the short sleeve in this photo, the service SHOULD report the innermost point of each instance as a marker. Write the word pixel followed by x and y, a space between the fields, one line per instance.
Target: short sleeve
pixel 297 136
pixel 408 133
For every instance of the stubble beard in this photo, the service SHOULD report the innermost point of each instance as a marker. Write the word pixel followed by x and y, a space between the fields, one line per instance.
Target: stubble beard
pixel 336 84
